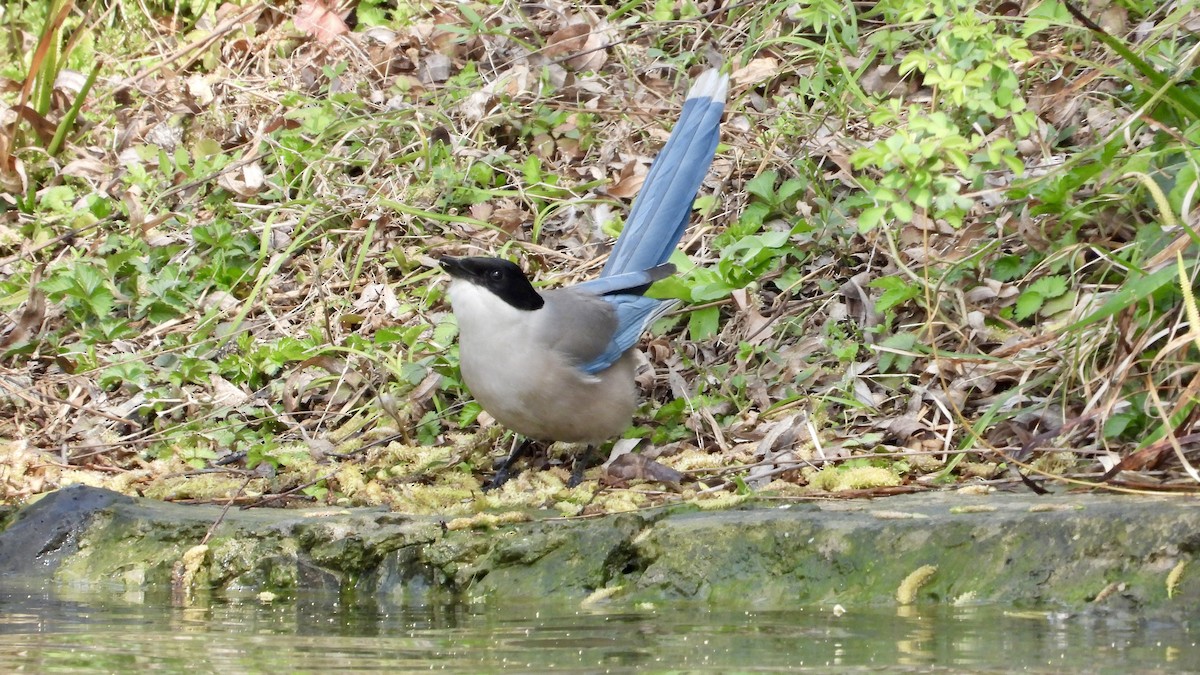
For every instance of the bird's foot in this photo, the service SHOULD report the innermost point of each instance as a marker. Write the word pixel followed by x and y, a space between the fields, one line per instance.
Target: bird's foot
pixel 500 478
pixel 503 473
pixel 581 464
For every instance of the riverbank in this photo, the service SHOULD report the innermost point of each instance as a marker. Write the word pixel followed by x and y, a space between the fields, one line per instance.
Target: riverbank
pixel 1075 551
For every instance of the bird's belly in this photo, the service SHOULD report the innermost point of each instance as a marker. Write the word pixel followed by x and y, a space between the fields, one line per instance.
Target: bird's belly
pixel 547 399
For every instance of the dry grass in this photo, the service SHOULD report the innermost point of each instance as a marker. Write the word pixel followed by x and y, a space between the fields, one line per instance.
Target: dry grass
pixel 346 162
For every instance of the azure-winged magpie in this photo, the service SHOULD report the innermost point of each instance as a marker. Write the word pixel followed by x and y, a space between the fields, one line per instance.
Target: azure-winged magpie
pixel 558 365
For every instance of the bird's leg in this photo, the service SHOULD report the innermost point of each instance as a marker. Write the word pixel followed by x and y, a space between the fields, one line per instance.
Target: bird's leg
pixel 581 465
pixel 520 447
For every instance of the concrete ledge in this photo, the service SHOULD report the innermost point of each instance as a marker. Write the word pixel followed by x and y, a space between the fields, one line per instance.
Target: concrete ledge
pixel 1102 552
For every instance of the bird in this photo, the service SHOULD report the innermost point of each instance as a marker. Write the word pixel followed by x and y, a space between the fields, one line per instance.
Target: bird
pixel 559 364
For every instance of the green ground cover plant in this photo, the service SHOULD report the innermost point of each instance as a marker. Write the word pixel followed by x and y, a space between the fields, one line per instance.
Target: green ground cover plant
pixel 943 243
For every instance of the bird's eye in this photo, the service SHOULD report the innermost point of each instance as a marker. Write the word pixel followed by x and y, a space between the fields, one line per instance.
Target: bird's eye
pixel 495 275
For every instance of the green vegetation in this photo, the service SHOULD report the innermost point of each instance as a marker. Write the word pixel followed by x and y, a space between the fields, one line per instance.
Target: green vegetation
pixel 938 246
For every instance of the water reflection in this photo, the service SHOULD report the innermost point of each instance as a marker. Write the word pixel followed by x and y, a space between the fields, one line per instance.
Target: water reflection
pixel 65 630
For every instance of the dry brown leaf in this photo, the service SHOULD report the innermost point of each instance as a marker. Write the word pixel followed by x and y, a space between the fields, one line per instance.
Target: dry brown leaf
pixel 246 182
pixel 378 300
pixel 1114 19
pixel 296 388
pixel 1191 20
pixel 582 42
pixel 509 218
pixel 544 146
pixel 628 182
pixel 253 176
pixel 225 393
pixel 41 126
pixel 13 180
pixel 200 90
pixel 426 389
pixel 30 318
pixel 317 19
pixel 87 168
pixel 513 82
pixel 758 70
pixel 778 438
pixel 632 466
pixel 481 211
pixel 988 290
pixel 137 214
pixel 475 106
pixel 569 149
pixel 222 300
pixel 567 40
pixel 905 426
pixel 884 80
pixel 757 328
pixel 434 68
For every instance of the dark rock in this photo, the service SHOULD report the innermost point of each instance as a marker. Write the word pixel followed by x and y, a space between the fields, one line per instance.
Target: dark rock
pixel 46 532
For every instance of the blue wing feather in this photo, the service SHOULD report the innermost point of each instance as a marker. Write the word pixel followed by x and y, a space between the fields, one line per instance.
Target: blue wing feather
pixel 635 313
pixel 658 219
pixel 628 282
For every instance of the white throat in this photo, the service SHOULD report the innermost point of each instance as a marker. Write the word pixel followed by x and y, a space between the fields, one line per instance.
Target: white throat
pixel 480 311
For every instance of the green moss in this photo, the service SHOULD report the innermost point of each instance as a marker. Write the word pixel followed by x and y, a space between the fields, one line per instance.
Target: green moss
pixel 207 486
pixel 1056 463
pixel 837 478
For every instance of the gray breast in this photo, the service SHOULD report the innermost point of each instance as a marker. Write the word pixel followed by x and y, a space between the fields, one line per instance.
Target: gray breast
pixel 525 374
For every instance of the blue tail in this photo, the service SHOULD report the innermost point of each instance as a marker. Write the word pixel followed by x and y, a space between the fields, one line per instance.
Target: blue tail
pixel 663 207
pixel 658 219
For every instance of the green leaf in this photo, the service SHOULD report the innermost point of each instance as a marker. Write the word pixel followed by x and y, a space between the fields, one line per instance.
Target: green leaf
pixel 58 198
pixel 60 282
pixel 675 287
pixel 896 291
pixel 741 488
pixel 774 238
pixel 763 186
pixel 1049 287
pixel 709 286
pixel 845 350
pixel 664 10
pixel 391 335
pixel 871 217
pixel 370 14
pixel 88 279
pixel 753 216
pixel 314 120
pixel 704 323
pixel 1062 303
pixel 532 170
pixel 890 361
pixel 1028 304
pixel 1132 291
pixel 445 331
pixel 1117 424
pixel 903 211
pixel 789 188
pixel 1009 267
pixel 470 412
pixel 134 373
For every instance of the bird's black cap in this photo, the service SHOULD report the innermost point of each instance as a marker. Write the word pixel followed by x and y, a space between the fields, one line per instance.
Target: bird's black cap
pixel 501 277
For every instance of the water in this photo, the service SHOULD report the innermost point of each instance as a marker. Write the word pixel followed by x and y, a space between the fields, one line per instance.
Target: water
pixel 66 632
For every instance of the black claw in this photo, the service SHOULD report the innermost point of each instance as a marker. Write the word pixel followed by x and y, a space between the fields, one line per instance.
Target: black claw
pixel 497 480
pixel 503 471
pixel 581 465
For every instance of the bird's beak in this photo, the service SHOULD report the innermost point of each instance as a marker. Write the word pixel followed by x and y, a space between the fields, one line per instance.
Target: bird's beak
pixel 453 266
